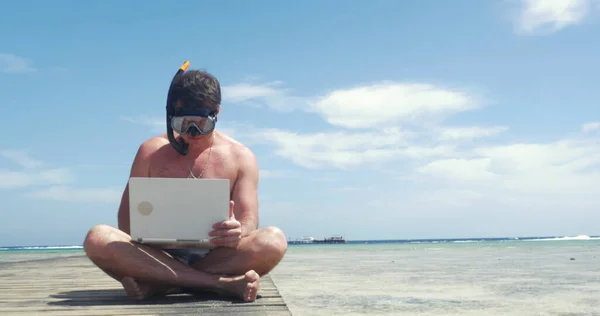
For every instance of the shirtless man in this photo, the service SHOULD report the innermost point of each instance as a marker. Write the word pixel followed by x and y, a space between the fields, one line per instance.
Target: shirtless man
pixel 243 252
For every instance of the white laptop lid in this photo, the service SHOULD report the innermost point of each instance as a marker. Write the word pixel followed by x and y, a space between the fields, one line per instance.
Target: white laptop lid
pixel 176 208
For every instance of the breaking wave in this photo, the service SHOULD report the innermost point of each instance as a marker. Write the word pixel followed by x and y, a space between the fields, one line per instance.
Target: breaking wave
pixel 566 238
pixel 40 248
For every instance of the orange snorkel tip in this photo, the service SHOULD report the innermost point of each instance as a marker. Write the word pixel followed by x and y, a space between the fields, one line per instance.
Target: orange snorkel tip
pixel 185 65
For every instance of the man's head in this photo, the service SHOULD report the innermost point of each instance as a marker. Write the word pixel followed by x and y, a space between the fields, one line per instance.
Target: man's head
pixel 192 107
pixel 196 89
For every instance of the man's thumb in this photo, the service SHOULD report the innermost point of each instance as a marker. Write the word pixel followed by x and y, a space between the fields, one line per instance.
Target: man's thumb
pixel 231 214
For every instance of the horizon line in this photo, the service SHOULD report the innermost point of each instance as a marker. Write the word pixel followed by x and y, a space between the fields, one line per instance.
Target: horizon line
pixel 379 240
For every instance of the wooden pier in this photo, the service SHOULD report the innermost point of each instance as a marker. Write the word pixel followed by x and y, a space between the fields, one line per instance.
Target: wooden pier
pixel 74 286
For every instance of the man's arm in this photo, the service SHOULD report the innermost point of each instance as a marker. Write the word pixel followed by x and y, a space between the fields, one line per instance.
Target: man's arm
pixel 245 192
pixel 139 168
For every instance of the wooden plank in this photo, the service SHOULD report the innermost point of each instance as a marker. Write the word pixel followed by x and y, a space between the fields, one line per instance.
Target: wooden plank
pixel 74 286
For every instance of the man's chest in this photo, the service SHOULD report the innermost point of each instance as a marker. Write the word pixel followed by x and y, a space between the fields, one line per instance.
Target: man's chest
pixel 215 166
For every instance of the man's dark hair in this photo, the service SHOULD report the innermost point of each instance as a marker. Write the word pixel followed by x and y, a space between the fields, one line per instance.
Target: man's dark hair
pixel 195 88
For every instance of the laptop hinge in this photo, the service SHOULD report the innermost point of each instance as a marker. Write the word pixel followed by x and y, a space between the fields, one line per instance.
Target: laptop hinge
pixel 193 241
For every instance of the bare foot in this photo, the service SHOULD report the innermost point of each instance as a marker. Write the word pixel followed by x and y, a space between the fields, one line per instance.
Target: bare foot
pixel 244 286
pixel 142 291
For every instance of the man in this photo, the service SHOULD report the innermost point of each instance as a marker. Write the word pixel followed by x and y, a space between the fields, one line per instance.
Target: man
pixel 242 252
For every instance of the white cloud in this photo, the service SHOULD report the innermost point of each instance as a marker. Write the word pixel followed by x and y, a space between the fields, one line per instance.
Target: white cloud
pixel 506 189
pixel 22 158
pixel 326 179
pixel 448 197
pixel 338 149
pixel 72 194
pixel 548 171
pixel 460 169
pixel 157 126
pixel 390 102
pixel 10 179
pixel 459 174
pixel 247 91
pixel 32 175
pixel 270 95
pixel 14 64
pixel 551 15
pixel 458 133
pixel 276 174
pixel 590 127
pixel 380 108
pixel 422 152
pixel 49 183
pixel 363 106
pixel 154 122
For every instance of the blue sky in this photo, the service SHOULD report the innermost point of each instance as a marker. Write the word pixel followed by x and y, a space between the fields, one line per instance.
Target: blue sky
pixel 374 120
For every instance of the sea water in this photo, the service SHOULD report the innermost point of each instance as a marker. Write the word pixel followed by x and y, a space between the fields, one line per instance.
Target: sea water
pixel 29 253
pixel 535 276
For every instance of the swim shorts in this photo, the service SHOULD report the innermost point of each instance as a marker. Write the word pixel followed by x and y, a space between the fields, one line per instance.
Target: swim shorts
pixel 187 256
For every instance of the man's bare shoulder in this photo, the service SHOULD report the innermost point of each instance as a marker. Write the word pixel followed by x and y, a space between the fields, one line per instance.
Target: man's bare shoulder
pixel 150 147
pixel 153 144
pixel 238 150
pixel 242 154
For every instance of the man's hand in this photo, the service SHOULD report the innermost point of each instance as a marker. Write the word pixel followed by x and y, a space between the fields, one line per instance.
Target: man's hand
pixel 227 233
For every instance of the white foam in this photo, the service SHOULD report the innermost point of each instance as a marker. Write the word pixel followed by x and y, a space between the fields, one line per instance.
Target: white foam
pixel 43 248
pixel 566 238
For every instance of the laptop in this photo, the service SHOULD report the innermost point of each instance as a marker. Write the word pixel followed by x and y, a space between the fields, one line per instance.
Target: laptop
pixel 176 213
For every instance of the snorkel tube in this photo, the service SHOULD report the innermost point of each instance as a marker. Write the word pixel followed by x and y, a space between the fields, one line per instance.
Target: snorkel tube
pixel 179 144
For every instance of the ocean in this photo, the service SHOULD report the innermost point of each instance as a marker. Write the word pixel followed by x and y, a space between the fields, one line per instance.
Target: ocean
pixel 500 276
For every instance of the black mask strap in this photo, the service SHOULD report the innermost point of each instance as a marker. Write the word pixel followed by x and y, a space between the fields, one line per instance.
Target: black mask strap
pixel 179 144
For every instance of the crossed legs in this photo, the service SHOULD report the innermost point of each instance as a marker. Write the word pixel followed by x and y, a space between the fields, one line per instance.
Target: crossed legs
pixel 145 270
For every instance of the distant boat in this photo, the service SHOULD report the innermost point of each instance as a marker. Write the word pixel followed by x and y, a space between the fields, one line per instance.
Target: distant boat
pixel 311 240
pixel 304 240
pixel 331 240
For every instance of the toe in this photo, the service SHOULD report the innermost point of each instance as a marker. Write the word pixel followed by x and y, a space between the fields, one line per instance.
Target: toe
pixel 131 287
pixel 252 276
pixel 251 291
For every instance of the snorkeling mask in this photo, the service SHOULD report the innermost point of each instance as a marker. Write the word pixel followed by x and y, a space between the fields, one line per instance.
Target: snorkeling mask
pixel 194 121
